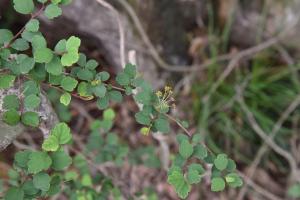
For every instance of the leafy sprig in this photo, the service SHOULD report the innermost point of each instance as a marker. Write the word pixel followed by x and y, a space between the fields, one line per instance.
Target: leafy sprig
pixel 26 56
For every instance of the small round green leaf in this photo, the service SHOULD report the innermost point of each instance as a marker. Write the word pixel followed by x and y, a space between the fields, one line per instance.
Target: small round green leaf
pixel 123 79
pixel 83 89
pixel 195 171
pixel 217 184
pixel 197 138
pixel 41 181
pixel 130 70
pixel 200 152
pixel 65 98
pixel 23 64
pixel 11 102
pixel 103 76
pixel 60 47
pixel 29 188
pixel 231 166
pixel 5 36
pixel 33 25
pixel 62 132
pixel 30 87
pixel 85 74
pixel 115 96
pixel 6 81
pixel 30 119
pixel 38 161
pixel 24 6
pixel 60 160
pixel 72 45
pixel 100 90
pixel 234 180
pixel 20 44
pixel 162 125
pixel 193 176
pixel 68 59
pixel 186 149
pixel 143 118
pixel 38 42
pixel 82 60
pixel 103 103
pixel 91 64
pixel 54 66
pixel 11 117
pixel 55 185
pixel 32 101
pixel 109 114
pixel 14 193
pixel 21 158
pixel 221 162
pixel 50 144
pixel 68 83
pixel 52 11
pixel 42 55
pixel 177 180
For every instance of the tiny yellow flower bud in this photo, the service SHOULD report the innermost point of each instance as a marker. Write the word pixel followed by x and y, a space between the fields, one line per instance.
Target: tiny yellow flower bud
pixel 145 130
pixel 95 82
pixel 159 93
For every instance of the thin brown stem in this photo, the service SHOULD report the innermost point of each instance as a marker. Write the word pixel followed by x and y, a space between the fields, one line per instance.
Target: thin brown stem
pixel 269 139
pixel 60 89
pixel 33 16
pixel 179 124
pixel 115 87
pixel 188 133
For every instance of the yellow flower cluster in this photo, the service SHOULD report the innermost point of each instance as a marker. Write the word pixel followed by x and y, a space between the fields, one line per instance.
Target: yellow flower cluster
pixel 165 98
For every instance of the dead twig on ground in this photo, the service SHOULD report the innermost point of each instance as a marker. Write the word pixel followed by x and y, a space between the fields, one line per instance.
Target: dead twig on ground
pixel 198 67
pixel 22 146
pixel 258 188
pixel 155 55
pixel 234 62
pixel 264 148
pixel 268 139
pixel 120 27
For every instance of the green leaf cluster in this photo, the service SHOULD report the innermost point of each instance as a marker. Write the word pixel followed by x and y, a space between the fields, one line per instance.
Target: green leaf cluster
pixel 37 164
pixel 38 174
pixel 31 101
pixel 179 182
pixel 107 144
pixel 59 135
pixel 223 171
pixel 71 55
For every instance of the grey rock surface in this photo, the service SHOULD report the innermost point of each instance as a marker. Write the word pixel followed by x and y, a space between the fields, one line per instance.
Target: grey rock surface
pixel 98 25
pixel 48 118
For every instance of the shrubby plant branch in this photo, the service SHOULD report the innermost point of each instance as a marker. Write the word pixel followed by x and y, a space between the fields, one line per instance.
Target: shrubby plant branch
pixel 41 173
